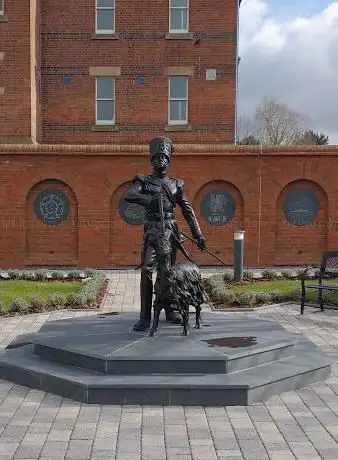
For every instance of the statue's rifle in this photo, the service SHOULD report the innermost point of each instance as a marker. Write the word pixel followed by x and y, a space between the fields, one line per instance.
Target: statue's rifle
pixel 161 212
pixel 204 249
pixel 162 236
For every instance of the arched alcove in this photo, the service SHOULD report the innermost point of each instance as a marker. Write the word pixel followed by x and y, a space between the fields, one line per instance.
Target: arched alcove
pixel 301 223
pixel 126 229
pixel 219 208
pixel 51 224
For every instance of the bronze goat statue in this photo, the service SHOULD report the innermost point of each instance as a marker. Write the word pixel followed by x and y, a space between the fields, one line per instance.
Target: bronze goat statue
pixel 180 287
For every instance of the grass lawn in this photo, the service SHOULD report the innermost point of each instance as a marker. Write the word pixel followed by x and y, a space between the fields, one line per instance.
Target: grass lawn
pixel 25 289
pixel 286 287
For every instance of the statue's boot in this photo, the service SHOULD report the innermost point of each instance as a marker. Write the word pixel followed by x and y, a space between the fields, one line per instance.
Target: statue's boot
pixel 142 324
pixel 146 287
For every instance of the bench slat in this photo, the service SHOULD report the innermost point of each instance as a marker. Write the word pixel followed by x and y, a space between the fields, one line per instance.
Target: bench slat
pixel 322 286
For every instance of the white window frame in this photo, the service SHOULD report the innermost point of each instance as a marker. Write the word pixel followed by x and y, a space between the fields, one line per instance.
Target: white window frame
pixel 178 31
pixel 178 122
pixel 113 99
pixel 2 7
pixel 97 8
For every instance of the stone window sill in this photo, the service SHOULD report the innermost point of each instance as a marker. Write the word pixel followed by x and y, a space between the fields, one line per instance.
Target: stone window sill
pixel 3 18
pixel 184 36
pixel 102 128
pixel 99 36
pixel 178 128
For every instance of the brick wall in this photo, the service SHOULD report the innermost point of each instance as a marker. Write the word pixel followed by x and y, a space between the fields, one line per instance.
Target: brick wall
pixel 94 177
pixel 35 39
pixel 54 244
pixel 15 98
pixel 69 46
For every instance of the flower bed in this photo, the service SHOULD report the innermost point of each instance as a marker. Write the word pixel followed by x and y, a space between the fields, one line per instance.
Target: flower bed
pixel 257 289
pixel 23 292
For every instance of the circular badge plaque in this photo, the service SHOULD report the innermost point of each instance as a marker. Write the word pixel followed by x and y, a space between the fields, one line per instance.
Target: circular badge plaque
pixel 218 207
pixel 301 206
pixel 131 213
pixel 51 206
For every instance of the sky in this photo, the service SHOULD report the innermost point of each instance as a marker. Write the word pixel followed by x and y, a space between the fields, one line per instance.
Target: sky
pixel 289 52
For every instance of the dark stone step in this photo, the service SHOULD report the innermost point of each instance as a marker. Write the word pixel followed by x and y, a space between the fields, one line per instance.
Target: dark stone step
pixel 121 353
pixel 23 367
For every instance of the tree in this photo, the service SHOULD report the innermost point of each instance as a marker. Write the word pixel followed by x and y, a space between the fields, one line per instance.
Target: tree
pixel 250 140
pixel 277 124
pixel 246 131
pixel 272 124
pixel 310 137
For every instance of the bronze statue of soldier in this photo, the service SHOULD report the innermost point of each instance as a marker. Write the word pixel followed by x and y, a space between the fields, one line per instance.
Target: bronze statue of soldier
pixel 144 190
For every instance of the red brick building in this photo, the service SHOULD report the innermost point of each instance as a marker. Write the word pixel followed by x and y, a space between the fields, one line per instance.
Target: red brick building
pixel 118 71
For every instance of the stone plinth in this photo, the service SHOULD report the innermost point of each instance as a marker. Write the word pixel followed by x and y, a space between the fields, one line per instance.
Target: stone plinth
pixel 99 359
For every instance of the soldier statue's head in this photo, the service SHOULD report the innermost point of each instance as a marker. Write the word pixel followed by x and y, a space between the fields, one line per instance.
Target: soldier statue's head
pixel 161 150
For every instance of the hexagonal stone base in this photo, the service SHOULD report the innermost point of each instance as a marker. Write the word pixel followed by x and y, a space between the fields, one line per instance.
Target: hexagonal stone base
pixel 99 359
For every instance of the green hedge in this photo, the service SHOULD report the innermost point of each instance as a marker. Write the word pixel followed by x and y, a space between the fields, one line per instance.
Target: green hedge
pixel 221 291
pixel 87 294
pixel 45 275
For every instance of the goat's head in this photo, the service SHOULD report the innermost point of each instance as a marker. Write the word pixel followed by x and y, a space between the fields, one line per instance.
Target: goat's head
pixel 164 248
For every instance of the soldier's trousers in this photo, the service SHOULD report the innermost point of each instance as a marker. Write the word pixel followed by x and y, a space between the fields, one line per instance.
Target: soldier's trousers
pixel 149 265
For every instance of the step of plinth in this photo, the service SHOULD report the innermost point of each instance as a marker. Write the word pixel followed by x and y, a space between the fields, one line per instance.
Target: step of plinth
pixel 123 354
pixel 309 365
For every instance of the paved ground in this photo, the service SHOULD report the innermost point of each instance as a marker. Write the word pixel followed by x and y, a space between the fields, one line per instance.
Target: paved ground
pixel 299 425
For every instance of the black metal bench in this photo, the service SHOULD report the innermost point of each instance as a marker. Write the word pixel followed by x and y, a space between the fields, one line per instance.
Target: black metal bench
pixel 327 269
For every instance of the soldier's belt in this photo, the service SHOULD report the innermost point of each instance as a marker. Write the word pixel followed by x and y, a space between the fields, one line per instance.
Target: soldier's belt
pixel 156 216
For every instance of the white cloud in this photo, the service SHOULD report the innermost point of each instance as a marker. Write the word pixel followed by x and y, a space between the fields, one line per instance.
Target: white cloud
pixel 293 60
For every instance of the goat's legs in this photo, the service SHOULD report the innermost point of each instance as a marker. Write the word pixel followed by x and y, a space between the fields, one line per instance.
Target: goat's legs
pixel 185 314
pixel 157 311
pixel 198 317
